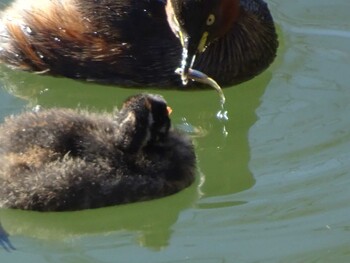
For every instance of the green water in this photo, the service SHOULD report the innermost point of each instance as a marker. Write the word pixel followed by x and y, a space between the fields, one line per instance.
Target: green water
pixel 272 183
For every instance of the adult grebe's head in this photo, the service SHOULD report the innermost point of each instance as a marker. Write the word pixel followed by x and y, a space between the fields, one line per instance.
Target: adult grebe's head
pixel 199 22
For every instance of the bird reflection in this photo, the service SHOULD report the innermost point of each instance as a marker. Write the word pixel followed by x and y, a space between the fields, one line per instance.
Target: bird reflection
pixel 5 242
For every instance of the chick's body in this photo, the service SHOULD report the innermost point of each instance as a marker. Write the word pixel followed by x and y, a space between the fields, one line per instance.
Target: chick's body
pixel 61 159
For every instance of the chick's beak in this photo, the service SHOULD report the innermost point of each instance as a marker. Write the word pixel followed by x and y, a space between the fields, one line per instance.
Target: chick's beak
pixel 169 110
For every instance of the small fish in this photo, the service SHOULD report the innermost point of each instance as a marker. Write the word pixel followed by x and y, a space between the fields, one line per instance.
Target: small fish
pixel 199 76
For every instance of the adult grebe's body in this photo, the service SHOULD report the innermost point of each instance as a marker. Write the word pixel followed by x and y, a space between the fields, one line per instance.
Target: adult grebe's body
pixel 130 42
pixel 62 159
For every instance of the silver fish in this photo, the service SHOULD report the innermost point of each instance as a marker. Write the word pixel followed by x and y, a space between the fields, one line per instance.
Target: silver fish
pixel 199 76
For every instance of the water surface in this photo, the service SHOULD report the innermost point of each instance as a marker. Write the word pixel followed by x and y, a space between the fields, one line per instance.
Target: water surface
pixel 272 180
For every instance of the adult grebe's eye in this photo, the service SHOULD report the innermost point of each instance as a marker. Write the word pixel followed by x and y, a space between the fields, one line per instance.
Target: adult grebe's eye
pixel 210 20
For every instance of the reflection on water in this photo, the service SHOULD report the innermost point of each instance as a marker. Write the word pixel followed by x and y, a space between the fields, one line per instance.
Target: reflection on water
pixel 275 189
pixel 224 158
pixel 5 242
pixel 152 221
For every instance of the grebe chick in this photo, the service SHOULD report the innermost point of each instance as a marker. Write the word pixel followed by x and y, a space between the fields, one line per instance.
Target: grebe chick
pixel 139 42
pixel 63 159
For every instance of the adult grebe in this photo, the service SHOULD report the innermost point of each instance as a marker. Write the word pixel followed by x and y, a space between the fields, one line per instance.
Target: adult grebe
pixel 136 42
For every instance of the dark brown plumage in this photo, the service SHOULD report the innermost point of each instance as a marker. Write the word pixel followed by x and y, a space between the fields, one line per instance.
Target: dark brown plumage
pixel 130 42
pixel 62 159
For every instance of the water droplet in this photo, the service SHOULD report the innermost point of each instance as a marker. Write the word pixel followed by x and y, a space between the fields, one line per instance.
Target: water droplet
pixel 222 115
pixel 36 108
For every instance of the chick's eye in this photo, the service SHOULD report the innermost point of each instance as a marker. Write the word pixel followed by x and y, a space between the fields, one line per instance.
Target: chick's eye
pixel 210 20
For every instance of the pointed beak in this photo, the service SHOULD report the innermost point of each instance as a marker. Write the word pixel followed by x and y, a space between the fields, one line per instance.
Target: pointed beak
pixel 193 40
pixel 188 57
pixel 191 46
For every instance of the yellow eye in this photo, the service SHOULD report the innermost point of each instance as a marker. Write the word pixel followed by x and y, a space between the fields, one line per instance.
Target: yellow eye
pixel 210 20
